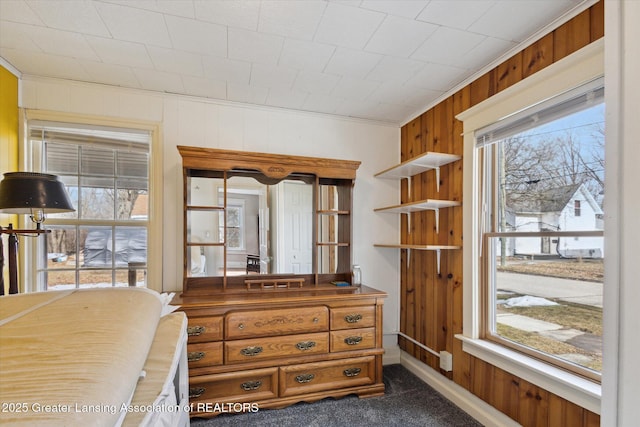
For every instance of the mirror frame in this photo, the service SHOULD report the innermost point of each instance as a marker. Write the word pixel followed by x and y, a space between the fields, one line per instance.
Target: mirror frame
pixel 275 167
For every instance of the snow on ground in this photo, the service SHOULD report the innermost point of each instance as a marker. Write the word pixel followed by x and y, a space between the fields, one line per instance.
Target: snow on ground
pixel 527 301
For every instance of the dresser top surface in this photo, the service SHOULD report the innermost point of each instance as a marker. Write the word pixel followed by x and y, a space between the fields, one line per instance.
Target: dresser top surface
pixel 289 296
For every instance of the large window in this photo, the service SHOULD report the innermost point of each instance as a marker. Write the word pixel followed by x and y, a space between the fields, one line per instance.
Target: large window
pixel 106 172
pixel 542 187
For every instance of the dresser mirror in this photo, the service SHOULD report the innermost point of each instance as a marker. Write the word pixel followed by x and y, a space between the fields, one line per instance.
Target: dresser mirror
pixel 268 226
pixel 256 215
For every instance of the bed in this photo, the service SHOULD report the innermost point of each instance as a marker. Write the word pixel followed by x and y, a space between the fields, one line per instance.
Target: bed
pixel 99 357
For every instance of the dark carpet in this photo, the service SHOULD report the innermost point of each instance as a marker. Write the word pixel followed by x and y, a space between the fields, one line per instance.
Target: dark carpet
pixel 407 402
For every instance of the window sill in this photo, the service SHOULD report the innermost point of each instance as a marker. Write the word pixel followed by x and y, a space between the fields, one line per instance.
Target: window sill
pixel 573 388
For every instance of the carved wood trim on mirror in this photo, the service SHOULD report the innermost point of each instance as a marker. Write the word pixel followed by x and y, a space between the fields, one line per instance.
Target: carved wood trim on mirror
pixel 250 216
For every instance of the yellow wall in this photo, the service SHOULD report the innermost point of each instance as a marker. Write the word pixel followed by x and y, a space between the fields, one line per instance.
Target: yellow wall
pixel 8 131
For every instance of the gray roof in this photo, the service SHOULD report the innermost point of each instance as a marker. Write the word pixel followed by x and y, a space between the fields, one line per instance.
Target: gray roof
pixel 551 200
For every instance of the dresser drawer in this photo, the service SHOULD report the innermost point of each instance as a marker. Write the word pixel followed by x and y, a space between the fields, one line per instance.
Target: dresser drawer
pixel 244 386
pixel 353 317
pixel 203 329
pixel 249 324
pixel 353 339
pixel 204 354
pixel 320 376
pixel 271 347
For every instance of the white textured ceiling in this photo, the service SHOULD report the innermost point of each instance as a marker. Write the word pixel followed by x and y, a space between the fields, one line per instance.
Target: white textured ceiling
pixel 384 60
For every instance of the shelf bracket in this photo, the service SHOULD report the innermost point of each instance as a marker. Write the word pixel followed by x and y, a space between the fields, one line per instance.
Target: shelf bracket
pixel 438 260
pixel 408 257
pixel 409 196
pixel 408 222
pixel 437 212
pixel 437 178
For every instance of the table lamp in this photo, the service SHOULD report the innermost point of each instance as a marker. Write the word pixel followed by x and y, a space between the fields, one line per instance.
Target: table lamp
pixel 30 193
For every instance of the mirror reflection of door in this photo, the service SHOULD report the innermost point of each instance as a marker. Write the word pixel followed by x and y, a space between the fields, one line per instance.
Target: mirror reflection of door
pixel 243 231
pixel 295 225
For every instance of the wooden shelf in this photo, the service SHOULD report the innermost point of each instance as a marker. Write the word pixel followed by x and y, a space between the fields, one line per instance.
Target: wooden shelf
pixel 421 205
pixel 417 247
pixel 436 248
pixel 427 161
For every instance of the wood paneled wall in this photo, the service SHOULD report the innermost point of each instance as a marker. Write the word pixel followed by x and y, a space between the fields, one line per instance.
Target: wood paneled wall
pixel 431 303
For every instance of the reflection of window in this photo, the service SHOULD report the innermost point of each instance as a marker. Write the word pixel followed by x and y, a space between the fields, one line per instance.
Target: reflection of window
pixel 106 172
pixel 533 166
pixel 235 226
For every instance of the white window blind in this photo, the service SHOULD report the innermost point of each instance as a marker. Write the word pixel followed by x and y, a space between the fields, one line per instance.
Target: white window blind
pixel 578 99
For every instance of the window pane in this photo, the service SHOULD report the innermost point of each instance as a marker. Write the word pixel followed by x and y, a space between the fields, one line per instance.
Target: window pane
pixel 132 164
pixel 96 278
pixel 96 161
pixel 551 305
pixel 97 198
pixel 132 204
pixel 61 280
pixel 61 248
pixel 106 172
pixel 545 291
pixel 62 159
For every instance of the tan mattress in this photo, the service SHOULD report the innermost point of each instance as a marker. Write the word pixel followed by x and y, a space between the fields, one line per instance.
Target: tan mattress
pixel 73 357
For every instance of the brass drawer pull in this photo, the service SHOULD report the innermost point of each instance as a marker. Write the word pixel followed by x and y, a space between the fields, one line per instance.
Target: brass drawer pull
pixel 305 345
pixel 353 318
pixel 194 331
pixel 353 340
pixel 196 392
pixel 251 385
pixel 251 351
pixel 305 378
pixel 352 372
pixel 195 356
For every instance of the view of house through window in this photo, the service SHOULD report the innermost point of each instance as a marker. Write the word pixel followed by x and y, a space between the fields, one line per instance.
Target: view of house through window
pixel 543 245
pixel 106 172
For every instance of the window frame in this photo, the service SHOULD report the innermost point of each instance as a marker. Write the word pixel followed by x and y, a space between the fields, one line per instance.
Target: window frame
pixel 29 255
pixel 578 68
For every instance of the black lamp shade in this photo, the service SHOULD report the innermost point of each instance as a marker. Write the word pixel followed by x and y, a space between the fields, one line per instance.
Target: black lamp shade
pixel 25 192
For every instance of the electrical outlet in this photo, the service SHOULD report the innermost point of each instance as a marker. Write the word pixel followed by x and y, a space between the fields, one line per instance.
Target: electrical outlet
pixel 446 361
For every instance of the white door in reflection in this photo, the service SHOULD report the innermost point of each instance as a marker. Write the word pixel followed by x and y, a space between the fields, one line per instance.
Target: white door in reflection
pixel 297 226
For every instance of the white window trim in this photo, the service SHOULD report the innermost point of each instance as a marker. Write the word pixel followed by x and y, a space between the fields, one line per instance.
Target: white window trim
pixel 154 230
pixel 581 67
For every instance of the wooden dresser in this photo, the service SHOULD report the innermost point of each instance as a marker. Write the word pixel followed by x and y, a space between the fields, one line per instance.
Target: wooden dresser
pixel 281 348
pixel 265 236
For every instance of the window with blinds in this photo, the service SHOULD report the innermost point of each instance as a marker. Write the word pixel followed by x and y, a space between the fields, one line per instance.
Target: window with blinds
pixel 541 192
pixel 106 172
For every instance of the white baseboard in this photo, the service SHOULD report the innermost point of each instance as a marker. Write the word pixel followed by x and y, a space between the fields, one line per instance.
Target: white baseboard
pixel 391 355
pixel 480 410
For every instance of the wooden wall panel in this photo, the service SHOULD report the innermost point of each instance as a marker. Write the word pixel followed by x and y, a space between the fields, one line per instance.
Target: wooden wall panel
pixel 537 56
pixel 572 36
pixel 431 305
pixel 509 72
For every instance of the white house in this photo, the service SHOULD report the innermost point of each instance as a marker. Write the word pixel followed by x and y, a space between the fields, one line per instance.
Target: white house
pixel 567 208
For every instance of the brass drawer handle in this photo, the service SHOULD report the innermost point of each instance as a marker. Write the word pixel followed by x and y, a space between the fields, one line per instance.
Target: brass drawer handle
pixel 305 378
pixel 196 392
pixel 353 318
pixel 195 356
pixel 251 385
pixel 251 351
pixel 305 345
pixel 194 331
pixel 353 340
pixel 352 372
